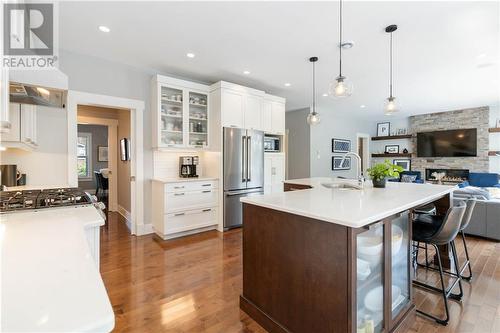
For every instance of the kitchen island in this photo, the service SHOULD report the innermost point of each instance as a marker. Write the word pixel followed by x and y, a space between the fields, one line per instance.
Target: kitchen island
pixel 318 259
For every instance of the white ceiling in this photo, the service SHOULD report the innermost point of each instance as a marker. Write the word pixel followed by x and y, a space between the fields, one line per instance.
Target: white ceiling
pixel 446 53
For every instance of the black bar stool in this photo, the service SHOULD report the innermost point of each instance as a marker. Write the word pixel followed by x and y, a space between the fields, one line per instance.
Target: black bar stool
pixel 436 230
pixel 471 203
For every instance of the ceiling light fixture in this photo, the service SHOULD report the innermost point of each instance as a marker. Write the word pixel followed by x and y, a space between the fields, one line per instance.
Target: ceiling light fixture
pixel 390 106
pixel 341 87
pixel 246 72
pixel 325 95
pixel 190 55
pixel 313 116
pixel 104 28
pixel 362 106
pixel 288 84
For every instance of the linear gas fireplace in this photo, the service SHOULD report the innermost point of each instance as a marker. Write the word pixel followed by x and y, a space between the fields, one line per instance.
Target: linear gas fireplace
pixel 446 175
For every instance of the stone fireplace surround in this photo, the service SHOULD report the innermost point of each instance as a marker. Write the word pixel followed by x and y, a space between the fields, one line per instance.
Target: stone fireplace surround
pixel 460 119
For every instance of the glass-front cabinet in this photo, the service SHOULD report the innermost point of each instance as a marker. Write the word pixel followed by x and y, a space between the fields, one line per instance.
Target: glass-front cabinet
pixel 182 113
pixel 382 268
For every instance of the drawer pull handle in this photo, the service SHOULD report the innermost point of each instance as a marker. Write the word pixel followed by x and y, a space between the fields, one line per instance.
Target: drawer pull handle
pixel 179 214
pixel 177 187
pixel 178 194
pixel 206 185
pixel 207 210
pixel 206 191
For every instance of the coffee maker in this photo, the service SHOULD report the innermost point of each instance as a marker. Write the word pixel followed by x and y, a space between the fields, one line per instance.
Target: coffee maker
pixel 188 166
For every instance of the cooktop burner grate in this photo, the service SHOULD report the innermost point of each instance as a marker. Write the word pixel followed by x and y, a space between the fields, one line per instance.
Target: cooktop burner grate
pixel 37 199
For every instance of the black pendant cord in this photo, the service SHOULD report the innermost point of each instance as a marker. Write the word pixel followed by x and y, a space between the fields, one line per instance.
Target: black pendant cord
pixel 340 39
pixel 314 88
pixel 390 83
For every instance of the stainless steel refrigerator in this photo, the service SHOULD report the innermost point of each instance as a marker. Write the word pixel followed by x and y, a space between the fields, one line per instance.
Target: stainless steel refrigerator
pixel 243 171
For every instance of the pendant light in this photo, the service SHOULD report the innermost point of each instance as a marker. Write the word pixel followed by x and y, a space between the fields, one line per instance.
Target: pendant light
pixel 390 106
pixel 341 86
pixel 313 116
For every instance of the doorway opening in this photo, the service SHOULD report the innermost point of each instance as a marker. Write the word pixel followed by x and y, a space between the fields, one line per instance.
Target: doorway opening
pixel 363 150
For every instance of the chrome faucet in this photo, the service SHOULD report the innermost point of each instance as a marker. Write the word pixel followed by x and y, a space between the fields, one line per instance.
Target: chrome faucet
pixel 361 179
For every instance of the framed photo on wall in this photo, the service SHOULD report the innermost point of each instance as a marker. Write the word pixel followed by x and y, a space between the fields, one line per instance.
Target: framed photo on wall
pixel 404 163
pixel 341 146
pixel 102 154
pixel 336 163
pixel 384 129
pixel 392 149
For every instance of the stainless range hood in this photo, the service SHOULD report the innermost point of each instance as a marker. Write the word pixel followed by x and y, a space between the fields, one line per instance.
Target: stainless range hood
pixel 37 95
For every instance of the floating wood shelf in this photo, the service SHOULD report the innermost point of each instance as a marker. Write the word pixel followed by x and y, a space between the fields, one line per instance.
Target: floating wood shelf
pixel 494 130
pixel 392 155
pixel 392 137
pixel 494 153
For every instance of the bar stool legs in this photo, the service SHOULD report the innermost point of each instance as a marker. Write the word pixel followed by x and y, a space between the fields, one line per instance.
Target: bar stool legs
pixel 467 260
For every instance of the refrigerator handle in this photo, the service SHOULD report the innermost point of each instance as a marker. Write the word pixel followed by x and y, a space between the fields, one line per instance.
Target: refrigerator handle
pixel 249 158
pixel 243 158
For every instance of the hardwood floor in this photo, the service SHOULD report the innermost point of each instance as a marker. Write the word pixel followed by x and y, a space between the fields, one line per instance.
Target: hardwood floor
pixel 193 284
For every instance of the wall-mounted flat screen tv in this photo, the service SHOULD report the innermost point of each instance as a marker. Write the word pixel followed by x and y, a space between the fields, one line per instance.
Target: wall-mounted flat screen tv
pixel 450 143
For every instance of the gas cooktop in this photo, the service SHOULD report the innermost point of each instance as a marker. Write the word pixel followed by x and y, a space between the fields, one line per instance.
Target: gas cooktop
pixel 39 199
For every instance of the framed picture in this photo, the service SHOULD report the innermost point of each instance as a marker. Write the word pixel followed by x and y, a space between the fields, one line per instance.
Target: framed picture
pixel 102 154
pixel 383 129
pixel 404 163
pixel 125 149
pixel 392 149
pixel 336 163
pixel 341 146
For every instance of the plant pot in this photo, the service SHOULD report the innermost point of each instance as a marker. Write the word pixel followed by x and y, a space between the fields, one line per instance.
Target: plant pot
pixel 379 183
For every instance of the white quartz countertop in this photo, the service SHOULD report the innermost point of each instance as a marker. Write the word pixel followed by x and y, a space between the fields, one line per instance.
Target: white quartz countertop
pixel 49 280
pixel 181 180
pixel 348 207
pixel 36 187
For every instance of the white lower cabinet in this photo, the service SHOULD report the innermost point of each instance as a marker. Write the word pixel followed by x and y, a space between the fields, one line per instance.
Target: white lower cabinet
pixel 183 208
pixel 274 172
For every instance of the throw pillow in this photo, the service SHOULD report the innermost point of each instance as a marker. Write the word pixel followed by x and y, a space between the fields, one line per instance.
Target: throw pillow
pixel 408 178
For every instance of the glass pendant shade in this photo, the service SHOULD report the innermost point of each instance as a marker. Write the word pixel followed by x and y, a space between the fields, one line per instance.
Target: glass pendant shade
pixel 391 106
pixel 313 118
pixel 341 87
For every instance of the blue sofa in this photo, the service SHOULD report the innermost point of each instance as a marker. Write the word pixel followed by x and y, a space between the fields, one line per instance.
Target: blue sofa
pixel 484 179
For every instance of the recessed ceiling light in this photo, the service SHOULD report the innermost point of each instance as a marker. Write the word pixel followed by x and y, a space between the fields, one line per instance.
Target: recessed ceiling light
pixel 348 44
pixel 325 95
pixel 362 106
pixel 288 84
pixel 190 55
pixel 246 72
pixel 104 28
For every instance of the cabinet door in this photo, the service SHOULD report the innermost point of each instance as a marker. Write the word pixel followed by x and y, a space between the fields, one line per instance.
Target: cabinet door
pixel 278 170
pixel 400 261
pixel 268 174
pixel 5 124
pixel 171 126
pixel 198 120
pixel 267 117
pixel 28 124
pixel 278 118
pixel 253 112
pixel 15 124
pixel 232 109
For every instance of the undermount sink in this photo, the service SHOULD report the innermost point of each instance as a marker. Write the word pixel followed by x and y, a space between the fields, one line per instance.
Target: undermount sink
pixel 342 186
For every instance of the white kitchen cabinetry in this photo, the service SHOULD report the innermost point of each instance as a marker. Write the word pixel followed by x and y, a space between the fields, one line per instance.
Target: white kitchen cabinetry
pixel 184 207
pixel 181 113
pixel 239 106
pixel 23 127
pixel 5 124
pixel 273 114
pixel 274 172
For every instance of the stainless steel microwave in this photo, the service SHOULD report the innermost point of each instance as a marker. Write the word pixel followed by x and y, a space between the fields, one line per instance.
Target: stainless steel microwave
pixel 272 144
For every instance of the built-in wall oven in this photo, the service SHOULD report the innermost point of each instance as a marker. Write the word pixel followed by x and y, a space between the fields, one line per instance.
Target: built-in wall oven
pixel 272 143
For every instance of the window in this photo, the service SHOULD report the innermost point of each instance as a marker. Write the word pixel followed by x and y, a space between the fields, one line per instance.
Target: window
pixel 83 155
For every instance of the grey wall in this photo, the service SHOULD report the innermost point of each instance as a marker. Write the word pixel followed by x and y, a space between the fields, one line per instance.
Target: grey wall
pixel 99 138
pixel 334 126
pixel 299 144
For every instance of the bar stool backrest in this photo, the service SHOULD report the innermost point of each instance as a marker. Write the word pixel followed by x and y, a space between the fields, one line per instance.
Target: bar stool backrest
pixel 471 203
pixel 451 225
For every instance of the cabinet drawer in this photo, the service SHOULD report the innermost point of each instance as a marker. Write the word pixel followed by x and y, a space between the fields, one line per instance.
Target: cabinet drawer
pixel 191 186
pixel 190 199
pixel 189 220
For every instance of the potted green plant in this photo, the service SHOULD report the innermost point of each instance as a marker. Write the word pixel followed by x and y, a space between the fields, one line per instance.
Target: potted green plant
pixel 381 171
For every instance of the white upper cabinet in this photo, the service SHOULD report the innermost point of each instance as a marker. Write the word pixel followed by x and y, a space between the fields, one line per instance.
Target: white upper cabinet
pixel 5 124
pixel 23 127
pixel 233 103
pixel 253 113
pixel 273 114
pixel 181 113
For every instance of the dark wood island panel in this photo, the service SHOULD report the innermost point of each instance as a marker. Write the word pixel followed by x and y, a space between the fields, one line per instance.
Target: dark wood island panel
pixel 304 288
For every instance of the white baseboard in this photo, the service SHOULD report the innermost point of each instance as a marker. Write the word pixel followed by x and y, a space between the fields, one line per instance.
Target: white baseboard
pixel 145 229
pixel 126 215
